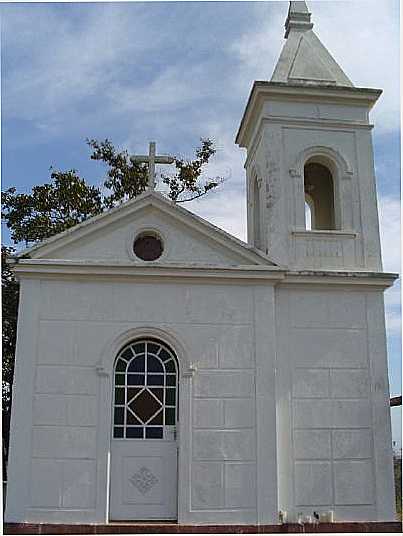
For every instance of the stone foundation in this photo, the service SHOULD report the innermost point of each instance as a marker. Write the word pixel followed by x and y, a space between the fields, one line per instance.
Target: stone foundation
pixel 174 528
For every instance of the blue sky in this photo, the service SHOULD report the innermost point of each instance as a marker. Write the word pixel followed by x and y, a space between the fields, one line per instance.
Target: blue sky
pixel 175 72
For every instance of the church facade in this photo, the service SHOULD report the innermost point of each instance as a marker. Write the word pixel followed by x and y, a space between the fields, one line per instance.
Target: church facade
pixel 167 371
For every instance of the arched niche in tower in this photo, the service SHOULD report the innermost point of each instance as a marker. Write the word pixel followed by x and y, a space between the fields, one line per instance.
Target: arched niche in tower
pixel 319 189
pixel 257 216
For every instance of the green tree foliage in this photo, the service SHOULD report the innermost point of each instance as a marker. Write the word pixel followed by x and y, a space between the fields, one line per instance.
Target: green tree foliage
pixel 66 200
pixel 185 185
pixel 50 208
pixel 10 296
pixel 127 178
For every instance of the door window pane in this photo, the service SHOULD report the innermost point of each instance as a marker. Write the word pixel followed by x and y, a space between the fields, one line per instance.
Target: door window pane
pixel 146 377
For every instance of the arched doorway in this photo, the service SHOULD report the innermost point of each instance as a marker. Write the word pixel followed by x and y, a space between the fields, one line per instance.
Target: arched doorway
pixel 143 445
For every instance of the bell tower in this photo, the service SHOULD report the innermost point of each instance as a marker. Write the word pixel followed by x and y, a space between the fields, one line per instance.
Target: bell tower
pixel 311 193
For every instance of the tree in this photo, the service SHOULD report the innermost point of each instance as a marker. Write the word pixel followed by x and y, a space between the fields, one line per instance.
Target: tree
pixel 50 208
pixel 10 297
pixel 397 469
pixel 127 178
pixel 68 200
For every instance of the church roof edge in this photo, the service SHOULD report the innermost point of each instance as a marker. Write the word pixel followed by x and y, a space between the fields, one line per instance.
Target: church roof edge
pixel 155 198
pixel 59 267
pixel 315 87
pixel 25 253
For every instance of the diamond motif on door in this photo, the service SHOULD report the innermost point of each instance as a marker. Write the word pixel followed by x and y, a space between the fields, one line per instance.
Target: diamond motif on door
pixel 143 480
pixel 145 405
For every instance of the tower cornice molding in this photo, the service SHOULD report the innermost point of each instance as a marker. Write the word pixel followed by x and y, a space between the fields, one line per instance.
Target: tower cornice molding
pixel 297 122
pixel 263 91
pixel 350 278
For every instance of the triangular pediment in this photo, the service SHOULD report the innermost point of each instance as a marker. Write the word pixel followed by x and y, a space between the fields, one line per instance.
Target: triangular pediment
pixel 188 239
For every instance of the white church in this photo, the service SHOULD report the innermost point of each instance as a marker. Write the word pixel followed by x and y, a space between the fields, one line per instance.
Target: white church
pixel 166 370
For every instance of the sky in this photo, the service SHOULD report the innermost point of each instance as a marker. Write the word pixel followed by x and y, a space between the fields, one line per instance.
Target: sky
pixel 178 71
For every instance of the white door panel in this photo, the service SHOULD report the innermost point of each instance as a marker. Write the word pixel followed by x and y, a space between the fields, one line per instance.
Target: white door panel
pixel 143 480
pixel 143 471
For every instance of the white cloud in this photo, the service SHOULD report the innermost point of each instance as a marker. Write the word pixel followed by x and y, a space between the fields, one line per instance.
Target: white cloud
pixel 389 219
pixel 369 60
pixel 368 50
pixel 259 48
pixel 225 207
pixel 173 88
pixel 393 321
pixel 100 64
pixel 102 50
pixel 62 61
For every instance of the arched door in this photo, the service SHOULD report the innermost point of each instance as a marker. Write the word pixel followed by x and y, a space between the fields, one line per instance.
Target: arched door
pixel 143 445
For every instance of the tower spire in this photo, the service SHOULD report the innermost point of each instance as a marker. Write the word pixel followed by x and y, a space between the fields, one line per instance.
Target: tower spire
pixel 304 59
pixel 298 17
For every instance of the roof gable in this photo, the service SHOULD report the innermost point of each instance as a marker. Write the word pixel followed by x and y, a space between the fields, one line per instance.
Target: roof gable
pixel 188 239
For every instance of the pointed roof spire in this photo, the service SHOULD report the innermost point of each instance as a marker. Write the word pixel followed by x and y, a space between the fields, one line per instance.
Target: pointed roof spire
pixel 304 59
pixel 298 17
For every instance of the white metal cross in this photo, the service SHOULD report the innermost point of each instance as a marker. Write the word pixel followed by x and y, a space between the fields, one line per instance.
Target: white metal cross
pixel 152 159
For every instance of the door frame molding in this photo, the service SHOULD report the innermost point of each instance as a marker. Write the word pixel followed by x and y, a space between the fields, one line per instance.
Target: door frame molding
pixel 104 369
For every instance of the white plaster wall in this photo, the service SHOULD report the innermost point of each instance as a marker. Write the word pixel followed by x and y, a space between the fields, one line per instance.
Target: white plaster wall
pixel 316 110
pixel 354 202
pixel 61 412
pixel 334 441
pixel 115 242
pixel 284 133
pixel 314 356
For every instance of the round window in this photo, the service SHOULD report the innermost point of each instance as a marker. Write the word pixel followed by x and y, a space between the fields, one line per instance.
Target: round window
pixel 148 246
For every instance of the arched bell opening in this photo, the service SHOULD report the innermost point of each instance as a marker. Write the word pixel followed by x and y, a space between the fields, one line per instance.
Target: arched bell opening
pixel 319 196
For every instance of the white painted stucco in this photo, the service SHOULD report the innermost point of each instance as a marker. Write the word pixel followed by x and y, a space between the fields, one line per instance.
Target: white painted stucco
pixel 283 389
pixel 283 392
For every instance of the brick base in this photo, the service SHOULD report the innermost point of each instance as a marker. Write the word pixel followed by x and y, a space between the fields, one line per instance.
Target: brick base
pixel 174 528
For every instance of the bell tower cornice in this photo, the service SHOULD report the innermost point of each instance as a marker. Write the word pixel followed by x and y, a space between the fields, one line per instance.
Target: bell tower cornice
pixel 264 92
